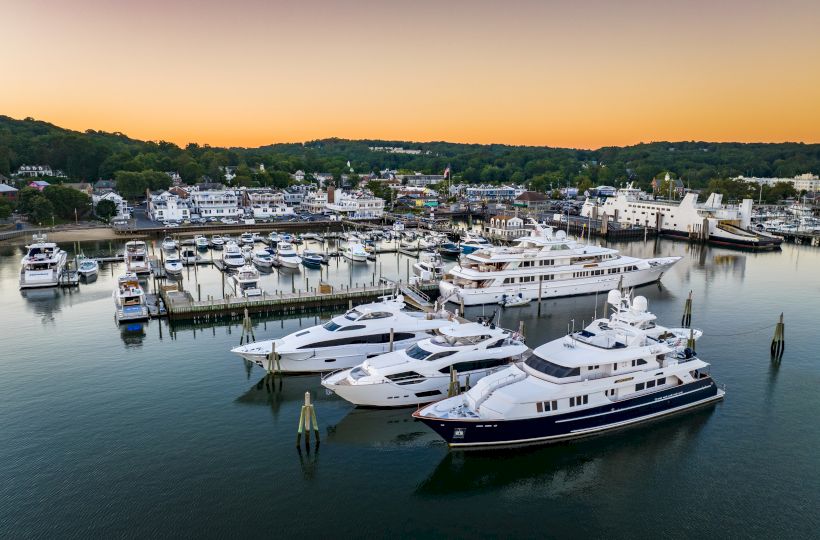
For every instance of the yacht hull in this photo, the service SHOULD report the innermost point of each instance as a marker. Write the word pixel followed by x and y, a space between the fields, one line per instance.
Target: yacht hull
pixel 460 432
pixel 554 288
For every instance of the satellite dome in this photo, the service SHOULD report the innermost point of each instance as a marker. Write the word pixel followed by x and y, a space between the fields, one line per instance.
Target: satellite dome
pixel 614 297
pixel 639 305
pixel 560 235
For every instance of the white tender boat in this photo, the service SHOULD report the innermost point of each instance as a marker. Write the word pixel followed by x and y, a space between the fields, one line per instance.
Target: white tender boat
pixel 262 259
pixel 354 251
pixel 348 339
pixel 173 265
pixel 136 257
pixel 287 257
pixel 42 265
pixel 421 373
pixel 616 372
pixel 129 299
pixel 513 300
pixel 232 256
pixel 246 239
pixel 217 242
pixel 188 255
pixel 429 267
pixel 169 244
pixel 201 242
pixel 246 281
pixel 87 267
pixel 546 265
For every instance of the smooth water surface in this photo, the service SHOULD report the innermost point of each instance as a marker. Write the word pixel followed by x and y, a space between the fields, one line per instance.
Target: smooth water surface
pixel 160 431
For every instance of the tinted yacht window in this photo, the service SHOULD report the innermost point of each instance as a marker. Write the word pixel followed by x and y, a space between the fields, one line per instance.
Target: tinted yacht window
pixel 548 368
pixel 417 353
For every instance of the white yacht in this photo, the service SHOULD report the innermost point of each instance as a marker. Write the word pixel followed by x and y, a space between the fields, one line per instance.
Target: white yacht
pixel 246 281
pixel 421 373
pixel 173 265
pixel 87 267
pixel 201 242
pixel 429 266
pixel 232 256
pixel 169 244
pixel 136 257
pixel 286 256
pixel 348 339
pixel 262 259
pixel 42 265
pixel 471 242
pixel 217 242
pixel 617 371
pixel 247 252
pixel 546 265
pixel 355 251
pixel 711 221
pixel 129 299
pixel 188 255
pixel 246 238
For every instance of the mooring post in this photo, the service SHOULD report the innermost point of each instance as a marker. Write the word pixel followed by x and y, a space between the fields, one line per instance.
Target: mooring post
pixel 307 421
pixel 454 388
pixel 686 320
pixel 778 346
pixel 391 340
pixel 691 341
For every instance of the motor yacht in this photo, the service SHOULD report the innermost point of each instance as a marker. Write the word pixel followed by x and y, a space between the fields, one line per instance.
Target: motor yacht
pixel 217 242
pixel 246 281
pixel 347 340
pixel 42 264
pixel 136 257
pixel 354 251
pixel 616 372
pixel 473 242
pixel 188 255
pixel 429 266
pixel 546 264
pixel 232 256
pixel 201 242
pixel 87 267
pixel 287 256
pixel 246 238
pixel 129 300
pixel 262 259
pixel 169 244
pixel 173 265
pixel 311 259
pixel 421 373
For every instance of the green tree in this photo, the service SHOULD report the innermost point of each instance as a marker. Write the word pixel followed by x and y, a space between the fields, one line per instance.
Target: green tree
pixel 67 202
pixel 5 208
pixel 156 180
pixel 379 189
pixel 130 184
pixel 42 211
pixel 106 209
pixel 25 200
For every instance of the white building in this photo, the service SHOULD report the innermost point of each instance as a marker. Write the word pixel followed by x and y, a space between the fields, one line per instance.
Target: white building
pixel 358 205
pixel 507 228
pixel 221 203
pixel 298 176
pixel 33 171
pixel 315 202
pixel 265 203
pixel 123 210
pixel 801 182
pixel 420 180
pixel 167 206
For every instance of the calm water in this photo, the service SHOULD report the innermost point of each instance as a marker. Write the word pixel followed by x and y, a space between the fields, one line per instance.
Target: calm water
pixel 163 432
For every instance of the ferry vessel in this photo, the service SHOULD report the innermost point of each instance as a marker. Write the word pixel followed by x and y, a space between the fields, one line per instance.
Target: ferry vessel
pixel 545 265
pixel 616 372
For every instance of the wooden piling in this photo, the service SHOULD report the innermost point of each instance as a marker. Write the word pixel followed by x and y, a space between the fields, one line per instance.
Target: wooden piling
pixel 453 388
pixel 778 346
pixel 307 421
pixel 686 320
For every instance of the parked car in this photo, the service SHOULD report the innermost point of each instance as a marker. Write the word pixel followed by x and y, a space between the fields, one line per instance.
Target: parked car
pixel 229 221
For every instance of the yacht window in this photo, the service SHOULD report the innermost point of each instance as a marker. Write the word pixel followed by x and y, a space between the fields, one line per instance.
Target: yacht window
pixel 551 369
pixel 376 315
pixel 352 327
pixel 639 387
pixel 463 367
pixel 440 355
pixel 650 384
pixel 352 315
pixel 302 333
pixel 416 352
pixel 404 376
pixel 661 381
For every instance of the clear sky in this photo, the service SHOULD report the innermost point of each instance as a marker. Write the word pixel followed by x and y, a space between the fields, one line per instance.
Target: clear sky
pixel 578 73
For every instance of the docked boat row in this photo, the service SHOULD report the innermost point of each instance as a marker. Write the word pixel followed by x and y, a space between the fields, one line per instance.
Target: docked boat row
pixel 617 371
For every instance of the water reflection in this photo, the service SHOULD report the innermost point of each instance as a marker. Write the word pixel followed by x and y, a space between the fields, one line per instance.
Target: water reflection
pixel 133 334
pixel 381 428
pixel 281 390
pixel 568 467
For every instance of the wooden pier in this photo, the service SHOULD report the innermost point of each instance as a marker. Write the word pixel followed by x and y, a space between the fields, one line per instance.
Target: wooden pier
pixel 181 305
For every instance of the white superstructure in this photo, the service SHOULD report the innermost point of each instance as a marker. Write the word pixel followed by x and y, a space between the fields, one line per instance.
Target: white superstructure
pixel 129 299
pixel 42 265
pixel 421 373
pixel 348 339
pixel 545 265
pixel 136 257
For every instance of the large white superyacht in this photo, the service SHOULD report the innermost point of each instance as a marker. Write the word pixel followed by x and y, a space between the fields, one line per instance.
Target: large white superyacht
pixel 617 371
pixel 42 265
pixel 421 373
pixel 545 264
pixel 348 339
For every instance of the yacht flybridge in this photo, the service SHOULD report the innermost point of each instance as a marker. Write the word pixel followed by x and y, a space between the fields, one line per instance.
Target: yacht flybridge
pixel 615 372
pixel 545 264
pixel 348 339
pixel 136 257
pixel 421 373
pixel 42 265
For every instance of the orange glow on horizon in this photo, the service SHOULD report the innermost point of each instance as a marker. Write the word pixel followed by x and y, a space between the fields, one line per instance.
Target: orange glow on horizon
pixel 561 73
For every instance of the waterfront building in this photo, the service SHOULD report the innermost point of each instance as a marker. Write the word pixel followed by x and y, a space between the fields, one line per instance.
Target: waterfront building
pixel 419 180
pixel 8 192
pixel 802 182
pixel 356 205
pixel 503 227
pixel 315 202
pixel 493 193
pixel 167 206
pixel 217 203
pixel 533 201
pixel 123 210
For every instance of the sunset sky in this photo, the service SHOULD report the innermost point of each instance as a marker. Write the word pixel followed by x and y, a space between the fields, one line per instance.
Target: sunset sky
pixel 560 73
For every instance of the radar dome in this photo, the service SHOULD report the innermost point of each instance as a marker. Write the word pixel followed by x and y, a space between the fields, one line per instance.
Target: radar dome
pixel 639 305
pixel 560 235
pixel 614 297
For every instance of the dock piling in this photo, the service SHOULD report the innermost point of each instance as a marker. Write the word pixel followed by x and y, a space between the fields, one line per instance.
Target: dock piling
pixel 686 320
pixel 453 388
pixel 307 420
pixel 778 346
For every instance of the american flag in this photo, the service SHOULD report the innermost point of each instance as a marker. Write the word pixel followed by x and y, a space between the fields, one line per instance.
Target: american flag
pixel 447 172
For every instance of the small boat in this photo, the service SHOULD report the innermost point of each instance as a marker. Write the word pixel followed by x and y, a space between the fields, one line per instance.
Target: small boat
pixel 247 252
pixel 262 259
pixel 246 281
pixel 273 239
pixel 311 236
pixel 311 259
pixel 173 265
pixel 87 267
pixel 188 255
pixel 129 299
pixel 257 237
pixel 217 242
pixel 450 250
pixel 169 244
pixel 201 242
pixel 246 238
pixel 354 251
pixel 512 300
pixel 297 240
pixel 287 257
pixel 429 267
pixel 473 242
pixel 232 257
